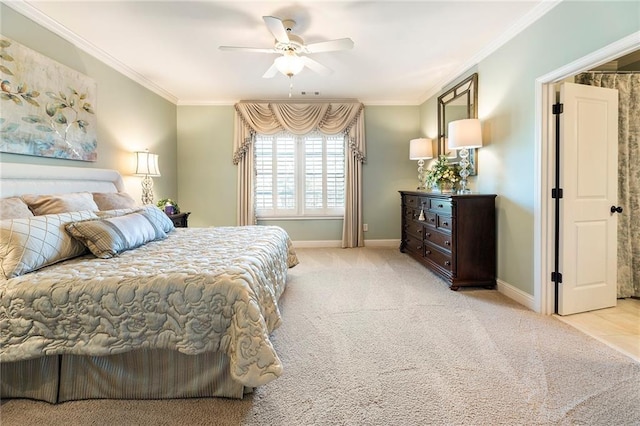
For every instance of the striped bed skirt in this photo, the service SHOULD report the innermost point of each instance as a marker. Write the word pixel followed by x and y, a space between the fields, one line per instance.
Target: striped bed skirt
pixel 140 374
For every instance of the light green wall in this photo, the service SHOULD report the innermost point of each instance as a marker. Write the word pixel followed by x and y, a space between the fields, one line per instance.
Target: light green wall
pixel 207 177
pixel 506 106
pixel 129 116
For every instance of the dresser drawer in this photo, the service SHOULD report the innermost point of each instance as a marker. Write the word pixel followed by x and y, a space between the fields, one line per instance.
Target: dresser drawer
pixel 412 202
pixel 440 206
pixel 444 222
pixel 410 213
pixel 440 239
pixel 441 259
pixel 415 228
pixel 430 218
pixel 414 245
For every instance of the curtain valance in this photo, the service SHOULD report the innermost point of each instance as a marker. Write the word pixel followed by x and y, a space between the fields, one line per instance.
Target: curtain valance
pixel 300 119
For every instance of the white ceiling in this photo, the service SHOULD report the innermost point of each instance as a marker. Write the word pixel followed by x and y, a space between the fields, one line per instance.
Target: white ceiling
pixel 404 51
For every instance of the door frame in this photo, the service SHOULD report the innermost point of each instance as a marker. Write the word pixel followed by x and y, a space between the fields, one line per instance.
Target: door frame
pixel 544 159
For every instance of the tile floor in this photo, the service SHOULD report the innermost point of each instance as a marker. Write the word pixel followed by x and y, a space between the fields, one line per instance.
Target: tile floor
pixel 618 327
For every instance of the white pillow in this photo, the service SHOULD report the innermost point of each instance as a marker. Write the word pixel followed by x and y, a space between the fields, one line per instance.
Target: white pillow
pixel 110 236
pixel 31 243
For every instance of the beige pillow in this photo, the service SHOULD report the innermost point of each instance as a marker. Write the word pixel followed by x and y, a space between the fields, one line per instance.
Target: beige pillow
pixel 60 203
pixel 14 208
pixel 108 237
pixel 32 243
pixel 113 200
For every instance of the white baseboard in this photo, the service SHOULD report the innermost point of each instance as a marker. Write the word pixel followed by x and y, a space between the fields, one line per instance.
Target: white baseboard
pixel 516 294
pixel 338 243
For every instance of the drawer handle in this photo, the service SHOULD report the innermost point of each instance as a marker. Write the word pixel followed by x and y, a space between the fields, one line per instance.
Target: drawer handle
pixel 428 252
pixel 428 234
pixel 419 247
pixel 440 206
pixel 445 223
pixel 447 263
pixel 447 243
pixel 432 220
pixel 420 231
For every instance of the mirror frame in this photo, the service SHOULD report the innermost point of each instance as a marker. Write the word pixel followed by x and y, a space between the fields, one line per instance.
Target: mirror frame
pixel 466 92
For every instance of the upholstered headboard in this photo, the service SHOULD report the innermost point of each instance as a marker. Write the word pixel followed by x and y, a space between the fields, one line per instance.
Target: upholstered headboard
pixel 18 179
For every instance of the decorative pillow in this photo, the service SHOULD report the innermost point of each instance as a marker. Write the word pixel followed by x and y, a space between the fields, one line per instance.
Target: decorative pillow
pixel 113 200
pixel 108 237
pixel 60 203
pixel 14 208
pixel 159 217
pixel 32 243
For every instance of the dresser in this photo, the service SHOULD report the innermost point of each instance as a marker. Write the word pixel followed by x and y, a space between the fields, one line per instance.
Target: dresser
pixel 454 235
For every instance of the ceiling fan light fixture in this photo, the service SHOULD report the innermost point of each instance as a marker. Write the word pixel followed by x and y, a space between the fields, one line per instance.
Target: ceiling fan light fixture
pixel 289 64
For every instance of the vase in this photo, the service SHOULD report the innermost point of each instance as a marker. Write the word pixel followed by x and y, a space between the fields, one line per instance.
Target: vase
pixel 445 187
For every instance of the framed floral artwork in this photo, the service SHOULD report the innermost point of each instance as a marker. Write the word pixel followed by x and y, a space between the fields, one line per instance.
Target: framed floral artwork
pixel 46 108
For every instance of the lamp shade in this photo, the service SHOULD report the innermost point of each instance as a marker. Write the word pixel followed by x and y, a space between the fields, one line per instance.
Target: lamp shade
pixel 147 164
pixel 289 64
pixel 465 133
pixel 420 149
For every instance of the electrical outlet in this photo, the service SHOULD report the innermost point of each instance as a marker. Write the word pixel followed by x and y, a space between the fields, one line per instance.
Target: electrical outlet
pixel 365 227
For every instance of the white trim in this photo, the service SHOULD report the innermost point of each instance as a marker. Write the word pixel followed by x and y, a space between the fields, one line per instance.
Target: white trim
pixel 514 293
pixel 382 243
pixel 54 26
pixel 317 244
pixel 543 145
pixel 338 243
pixel 536 13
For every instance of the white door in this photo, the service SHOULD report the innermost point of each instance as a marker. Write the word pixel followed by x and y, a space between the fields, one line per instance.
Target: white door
pixel 589 179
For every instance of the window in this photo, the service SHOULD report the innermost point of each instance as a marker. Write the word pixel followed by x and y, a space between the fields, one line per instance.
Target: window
pixel 299 176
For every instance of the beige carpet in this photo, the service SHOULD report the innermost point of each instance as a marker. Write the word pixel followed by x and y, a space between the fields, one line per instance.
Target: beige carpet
pixel 370 337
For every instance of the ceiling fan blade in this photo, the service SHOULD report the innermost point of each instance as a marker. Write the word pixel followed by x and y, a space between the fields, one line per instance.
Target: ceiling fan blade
pixel 316 66
pixel 277 28
pixel 271 72
pixel 330 46
pixel 247 49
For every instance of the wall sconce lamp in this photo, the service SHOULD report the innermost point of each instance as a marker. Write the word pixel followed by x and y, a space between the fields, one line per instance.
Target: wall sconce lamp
pixel 463 135
pixel 147 166
pixel 420 149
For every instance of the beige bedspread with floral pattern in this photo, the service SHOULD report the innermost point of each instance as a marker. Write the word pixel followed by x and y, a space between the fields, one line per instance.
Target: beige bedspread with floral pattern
pixel 199 290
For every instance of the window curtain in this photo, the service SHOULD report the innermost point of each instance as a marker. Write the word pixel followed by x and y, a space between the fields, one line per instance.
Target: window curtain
pixel 301 118
pixel 628 86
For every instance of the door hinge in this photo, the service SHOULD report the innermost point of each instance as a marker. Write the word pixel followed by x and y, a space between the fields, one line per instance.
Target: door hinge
pixel 557 108
pixel 556 277
pixel 556 192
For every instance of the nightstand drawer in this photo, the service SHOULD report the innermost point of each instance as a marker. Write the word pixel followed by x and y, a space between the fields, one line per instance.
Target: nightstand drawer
pixel 180 220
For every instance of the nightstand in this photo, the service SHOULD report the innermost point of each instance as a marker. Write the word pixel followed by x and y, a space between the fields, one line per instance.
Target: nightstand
pixel 180 219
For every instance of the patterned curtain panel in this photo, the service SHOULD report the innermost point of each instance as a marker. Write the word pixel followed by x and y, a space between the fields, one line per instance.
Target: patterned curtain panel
pixel 628 86
pixel 300 119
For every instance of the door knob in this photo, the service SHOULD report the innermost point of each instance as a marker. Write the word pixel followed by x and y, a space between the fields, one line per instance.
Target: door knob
pixel 615 209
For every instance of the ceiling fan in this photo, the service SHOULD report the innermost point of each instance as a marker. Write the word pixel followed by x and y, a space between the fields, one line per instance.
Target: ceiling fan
pixel 291 48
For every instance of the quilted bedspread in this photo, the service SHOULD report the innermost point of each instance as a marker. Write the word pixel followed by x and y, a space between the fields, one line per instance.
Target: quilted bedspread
pixel 199 290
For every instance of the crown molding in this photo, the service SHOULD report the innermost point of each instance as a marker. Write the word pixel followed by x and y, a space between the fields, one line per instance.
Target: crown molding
pixel 31 12
pixel 534 14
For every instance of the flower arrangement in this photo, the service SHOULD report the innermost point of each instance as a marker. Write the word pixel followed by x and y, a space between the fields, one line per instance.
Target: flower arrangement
pixel 162 203
pixel 441 172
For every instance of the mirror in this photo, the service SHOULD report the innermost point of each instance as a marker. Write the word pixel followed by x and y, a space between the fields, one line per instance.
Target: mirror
pixel 457 103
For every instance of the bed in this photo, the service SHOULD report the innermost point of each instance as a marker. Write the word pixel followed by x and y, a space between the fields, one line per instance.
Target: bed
pixel 186 313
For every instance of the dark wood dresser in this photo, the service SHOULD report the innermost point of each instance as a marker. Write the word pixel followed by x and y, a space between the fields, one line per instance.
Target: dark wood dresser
pixel 454 235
